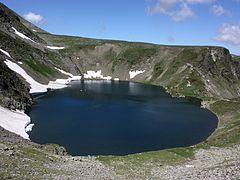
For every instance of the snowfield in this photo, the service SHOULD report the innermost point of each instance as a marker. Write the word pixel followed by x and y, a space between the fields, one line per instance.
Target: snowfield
pixel 35 86
pixel 96 75
pixel 132 74
pixel 14 121
pixel 5 52
pixel 55 47
pixel 22 35
pixel 64 72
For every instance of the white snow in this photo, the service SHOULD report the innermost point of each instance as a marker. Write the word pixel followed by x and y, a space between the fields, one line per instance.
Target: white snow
pixel 107 78
pixel 189 84
pixel 35 86
pixel 93 74
pixel 5 52
pixel 189 166
pixel 34 30
pixel 213 55
pixel 22 35
pixel 29 127
pixel 116 79
pixel 96 75
pixel 132 74
pixel 14 121
pixel 54 47
pixel 64 72
pixel 19 62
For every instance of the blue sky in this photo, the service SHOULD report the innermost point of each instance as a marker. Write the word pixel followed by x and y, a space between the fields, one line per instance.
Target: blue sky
pixel 182 22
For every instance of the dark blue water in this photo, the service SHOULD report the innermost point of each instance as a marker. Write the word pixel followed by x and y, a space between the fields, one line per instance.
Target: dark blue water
pixel 118 118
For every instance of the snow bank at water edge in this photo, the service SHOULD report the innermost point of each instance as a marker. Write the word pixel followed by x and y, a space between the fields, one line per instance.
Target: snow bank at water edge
pixel 14 121
pixel 93 74
pixel 37 87
pixel 54 47
pixel 5 52
pixel 96 75
pixel 22 35
pixel 132 74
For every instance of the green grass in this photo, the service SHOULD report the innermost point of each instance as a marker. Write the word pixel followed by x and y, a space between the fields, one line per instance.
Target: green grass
pixel 157 71
pixel 140 164
pixel 228 130
pixel 40 68
pixel 134 55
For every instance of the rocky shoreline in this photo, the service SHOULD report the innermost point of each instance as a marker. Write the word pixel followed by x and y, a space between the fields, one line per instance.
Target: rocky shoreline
pixel 213 163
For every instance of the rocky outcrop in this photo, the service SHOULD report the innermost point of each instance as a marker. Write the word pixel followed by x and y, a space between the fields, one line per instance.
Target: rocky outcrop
pixel 9 19
pixel 14 94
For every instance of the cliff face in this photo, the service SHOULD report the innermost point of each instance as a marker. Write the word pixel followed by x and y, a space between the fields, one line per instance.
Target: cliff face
pixel 10 20
pixel 14 94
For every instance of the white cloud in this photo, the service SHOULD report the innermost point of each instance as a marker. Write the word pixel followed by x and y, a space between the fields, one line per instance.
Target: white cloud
pixel 162 6
pixel 178 10
pixel 218 10
pixel 32 17
pixel 183 13
pixel 199 1
pixel 229 33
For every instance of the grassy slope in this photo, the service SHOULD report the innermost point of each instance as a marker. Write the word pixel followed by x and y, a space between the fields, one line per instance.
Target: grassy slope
pixel 35 61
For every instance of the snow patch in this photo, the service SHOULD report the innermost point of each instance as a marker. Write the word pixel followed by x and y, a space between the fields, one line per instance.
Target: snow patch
pixel 19 62
pixel 21 35
pixel 189 84
pixel 93 74
pixel 96 75
pixel 5 52
pixel 29 127
pixel 14 121
pixel 213 53
pixel 132 74
pixel 189 166
pixel 107 78
pixel 54 47
pixel 64 72
pixel 204 104
pixel 116 79
pixel 35 86
pixel 34 30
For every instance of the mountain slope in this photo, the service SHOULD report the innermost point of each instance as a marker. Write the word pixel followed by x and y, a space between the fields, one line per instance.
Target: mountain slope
pixel 210 71
pixel 206 72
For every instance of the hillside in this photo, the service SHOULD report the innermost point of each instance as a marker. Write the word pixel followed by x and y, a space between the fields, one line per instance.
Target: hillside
pixel 205 72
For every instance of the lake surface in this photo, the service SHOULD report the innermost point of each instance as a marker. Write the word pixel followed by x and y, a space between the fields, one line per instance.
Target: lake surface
pixel 118 118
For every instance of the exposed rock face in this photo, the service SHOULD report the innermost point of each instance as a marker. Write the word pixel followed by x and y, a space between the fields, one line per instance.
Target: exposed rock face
pixel 220 72
pixel 9 19
pixel 14 94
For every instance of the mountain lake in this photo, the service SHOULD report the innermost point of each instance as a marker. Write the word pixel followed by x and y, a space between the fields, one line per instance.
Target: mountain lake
pixel 96 117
